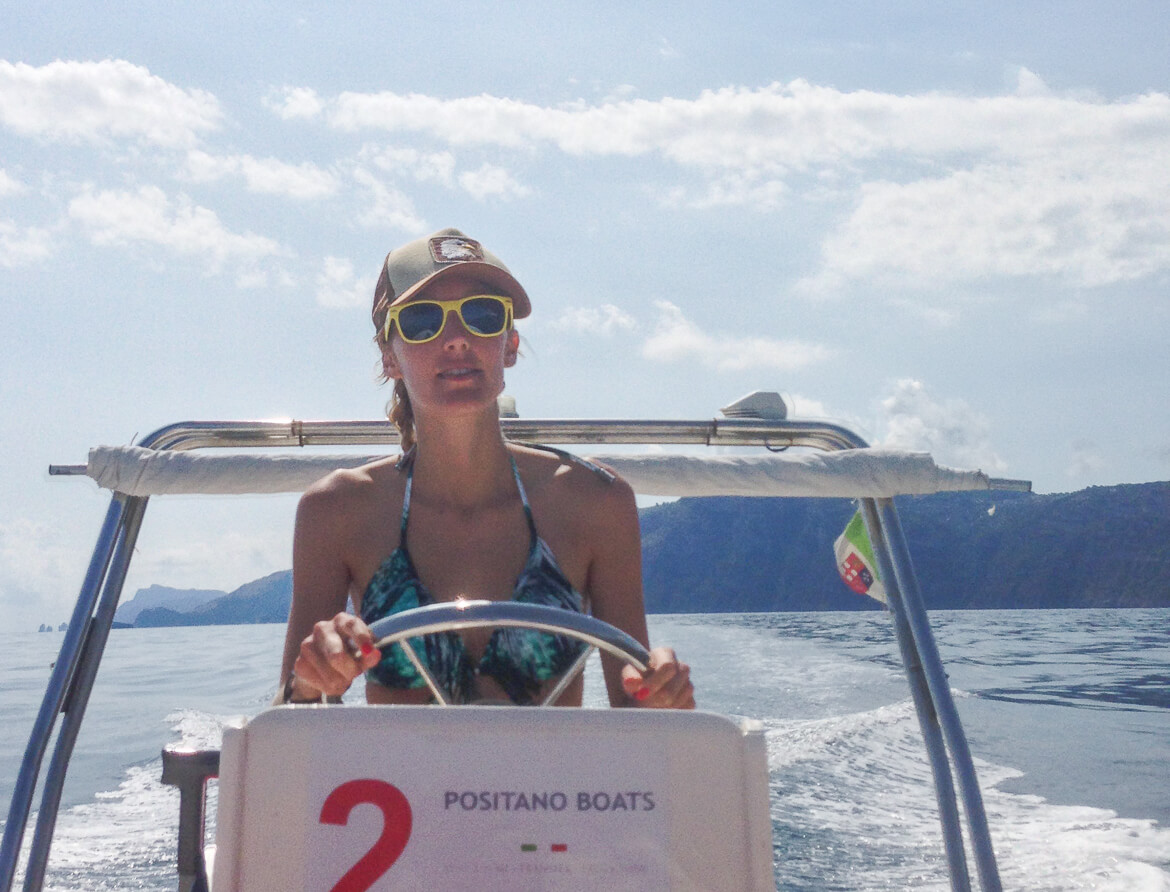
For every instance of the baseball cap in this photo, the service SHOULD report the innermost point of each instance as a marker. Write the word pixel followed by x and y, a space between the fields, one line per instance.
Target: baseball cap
pixel 447 252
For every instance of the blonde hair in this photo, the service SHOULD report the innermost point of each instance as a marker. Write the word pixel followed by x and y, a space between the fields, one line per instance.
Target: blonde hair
pixel 398 410
pixel 402 414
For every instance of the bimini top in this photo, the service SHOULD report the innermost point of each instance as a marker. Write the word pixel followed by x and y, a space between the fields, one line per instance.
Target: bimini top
pixel 851 473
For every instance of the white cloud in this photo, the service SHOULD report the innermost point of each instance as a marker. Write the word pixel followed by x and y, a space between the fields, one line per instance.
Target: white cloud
pixel 221 559
pixel 952 431
pixel 619 93
pixel 149 217
pixel 406 163
pixel 264 175
pixel 338 285
pixel 943 187
pixel 780 127
pixel 491 182
pixel 295 103
pixel 23 246
pixel 389 206
pixel 402 163
pixel 1087 225
pixel 1028 83
pixel 676 338
pixel 604 320
pixel 98 100
pixel 733 189
pixel 39 570
pixel 9 186
pixel 806 407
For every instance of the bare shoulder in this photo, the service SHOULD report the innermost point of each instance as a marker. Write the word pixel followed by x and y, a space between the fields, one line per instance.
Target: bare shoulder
pixel 582 486
pixel 350 492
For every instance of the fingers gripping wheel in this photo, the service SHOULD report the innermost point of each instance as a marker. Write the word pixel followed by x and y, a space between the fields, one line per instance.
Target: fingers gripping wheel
pixel 461 615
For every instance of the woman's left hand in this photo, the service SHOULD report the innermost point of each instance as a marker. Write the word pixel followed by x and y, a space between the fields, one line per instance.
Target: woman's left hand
pixel 665 685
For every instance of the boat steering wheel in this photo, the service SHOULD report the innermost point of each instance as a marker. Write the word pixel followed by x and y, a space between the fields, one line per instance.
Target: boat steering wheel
pixel 457 616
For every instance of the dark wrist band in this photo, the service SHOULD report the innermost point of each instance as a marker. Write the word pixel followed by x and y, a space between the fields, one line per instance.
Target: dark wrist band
pixel 287 696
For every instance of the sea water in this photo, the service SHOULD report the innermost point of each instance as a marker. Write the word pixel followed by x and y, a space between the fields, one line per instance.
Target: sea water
pixel 1067 713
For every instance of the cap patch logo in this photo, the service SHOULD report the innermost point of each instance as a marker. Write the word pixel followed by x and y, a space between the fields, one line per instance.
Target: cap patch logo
pixel 454 249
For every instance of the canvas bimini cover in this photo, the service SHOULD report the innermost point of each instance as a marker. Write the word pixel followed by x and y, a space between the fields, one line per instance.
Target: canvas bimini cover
pixel 853 473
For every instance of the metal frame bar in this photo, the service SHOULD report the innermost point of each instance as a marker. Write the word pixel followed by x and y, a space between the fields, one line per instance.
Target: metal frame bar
pixel 55 694
pixel 73 676
pixel 80 688
pixel 712 432
pixel 924 706
pixel 940 693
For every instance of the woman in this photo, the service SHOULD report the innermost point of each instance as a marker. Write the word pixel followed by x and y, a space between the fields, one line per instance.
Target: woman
pixel 484 519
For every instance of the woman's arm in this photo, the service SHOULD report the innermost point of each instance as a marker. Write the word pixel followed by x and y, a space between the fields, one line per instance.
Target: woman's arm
pixel 614 587
pixel 324 647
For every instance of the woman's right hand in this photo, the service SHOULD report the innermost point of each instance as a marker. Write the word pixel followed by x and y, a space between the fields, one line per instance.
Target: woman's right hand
pixel 336 652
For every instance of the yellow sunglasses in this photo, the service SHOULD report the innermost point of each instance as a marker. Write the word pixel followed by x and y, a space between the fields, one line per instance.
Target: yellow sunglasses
pixel 419 321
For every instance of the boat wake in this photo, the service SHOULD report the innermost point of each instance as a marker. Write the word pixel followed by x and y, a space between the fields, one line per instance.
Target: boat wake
pixel 852 797
pixel 127 838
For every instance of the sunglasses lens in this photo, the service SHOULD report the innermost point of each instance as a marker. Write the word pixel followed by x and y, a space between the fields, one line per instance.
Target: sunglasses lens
pixel 420 321
pixel 484 315
pixel 423 320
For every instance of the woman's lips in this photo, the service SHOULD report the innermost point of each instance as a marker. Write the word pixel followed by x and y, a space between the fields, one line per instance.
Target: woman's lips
pixel 457 373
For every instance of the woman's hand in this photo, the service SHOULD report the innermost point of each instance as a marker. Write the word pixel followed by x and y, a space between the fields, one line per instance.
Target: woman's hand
pixel 336 652
pixel 665 685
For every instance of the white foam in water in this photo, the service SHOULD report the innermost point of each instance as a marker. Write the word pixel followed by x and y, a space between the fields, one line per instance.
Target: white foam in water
pixel 127 838
pixel 1057 847
pixel 853 807
pixel 124 839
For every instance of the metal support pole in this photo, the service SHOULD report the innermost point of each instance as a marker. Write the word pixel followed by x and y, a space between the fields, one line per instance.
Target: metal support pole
pixel 189 770
pixel 940 692
pixel 944 789
pixel 55 693
pixel 78 694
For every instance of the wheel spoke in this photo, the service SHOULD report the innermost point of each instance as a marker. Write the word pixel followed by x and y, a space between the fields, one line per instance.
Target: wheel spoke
pixel 457 616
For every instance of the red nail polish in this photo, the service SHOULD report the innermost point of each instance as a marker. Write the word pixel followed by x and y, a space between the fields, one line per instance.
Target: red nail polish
pixel 642 693
pixel 367 649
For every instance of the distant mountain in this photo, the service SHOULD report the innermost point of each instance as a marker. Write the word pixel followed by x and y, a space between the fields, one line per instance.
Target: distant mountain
pixel 1105 546
pixel 742 555
pixel 1099 547
pixel 261 601
pixel 178 599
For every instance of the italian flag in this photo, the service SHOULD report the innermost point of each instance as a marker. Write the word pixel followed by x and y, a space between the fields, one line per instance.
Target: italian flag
pixel 855 561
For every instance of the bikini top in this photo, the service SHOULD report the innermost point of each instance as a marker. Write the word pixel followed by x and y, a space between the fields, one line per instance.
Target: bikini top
pixel 520 660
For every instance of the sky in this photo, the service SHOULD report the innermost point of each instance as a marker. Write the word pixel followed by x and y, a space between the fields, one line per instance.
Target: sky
pixel 945 225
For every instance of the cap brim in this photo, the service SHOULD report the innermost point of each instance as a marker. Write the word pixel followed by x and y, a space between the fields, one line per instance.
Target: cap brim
pixel 501 281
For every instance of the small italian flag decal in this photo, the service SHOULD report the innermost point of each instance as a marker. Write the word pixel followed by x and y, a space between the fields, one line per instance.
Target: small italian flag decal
pixel 855 561
pixel 533 847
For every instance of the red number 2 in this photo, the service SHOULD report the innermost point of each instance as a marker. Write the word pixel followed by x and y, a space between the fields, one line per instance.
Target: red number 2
pixel 396 820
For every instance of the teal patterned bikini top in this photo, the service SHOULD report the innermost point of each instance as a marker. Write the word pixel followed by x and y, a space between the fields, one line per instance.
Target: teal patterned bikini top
pixel 520 660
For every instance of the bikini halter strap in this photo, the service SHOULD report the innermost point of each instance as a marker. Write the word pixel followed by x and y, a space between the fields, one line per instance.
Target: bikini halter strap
pixel 524 500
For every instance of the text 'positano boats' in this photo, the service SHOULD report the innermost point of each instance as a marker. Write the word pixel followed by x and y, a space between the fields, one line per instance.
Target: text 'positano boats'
pixel 530 798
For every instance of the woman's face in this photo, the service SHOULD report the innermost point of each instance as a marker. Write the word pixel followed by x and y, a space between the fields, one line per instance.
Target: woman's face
pixel 457 369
